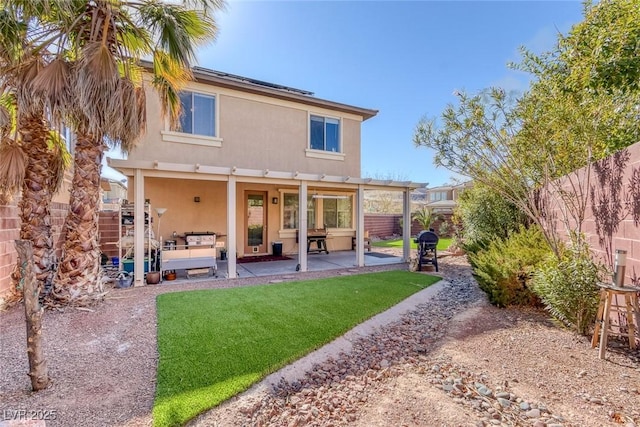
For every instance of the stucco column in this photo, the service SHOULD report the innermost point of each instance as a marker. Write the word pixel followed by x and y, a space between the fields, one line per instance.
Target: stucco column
pixel 139 229
pixel 360 226
pixel 231 228
pixel 406 224
pixel 302 226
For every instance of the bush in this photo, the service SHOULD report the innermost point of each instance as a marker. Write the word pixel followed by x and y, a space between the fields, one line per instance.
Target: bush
pixel 485 215
pixel 504 270
pixel 568 286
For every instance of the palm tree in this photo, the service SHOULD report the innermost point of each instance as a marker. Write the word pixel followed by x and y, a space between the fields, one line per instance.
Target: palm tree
pixel 425 217
pixel 93 81
pixel 32 156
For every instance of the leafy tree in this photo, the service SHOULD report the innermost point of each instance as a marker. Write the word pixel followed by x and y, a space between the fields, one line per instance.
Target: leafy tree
pixel 479 138
pixel 570 116
pixel 485 216
pixel 597 66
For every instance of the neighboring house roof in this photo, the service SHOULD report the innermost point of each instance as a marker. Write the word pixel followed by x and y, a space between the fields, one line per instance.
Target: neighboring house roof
pixel 442 204
pixel 448 187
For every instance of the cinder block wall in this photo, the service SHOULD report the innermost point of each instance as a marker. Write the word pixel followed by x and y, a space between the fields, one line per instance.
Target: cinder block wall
pixel 387 225
pixel 10 231
pixel 612 219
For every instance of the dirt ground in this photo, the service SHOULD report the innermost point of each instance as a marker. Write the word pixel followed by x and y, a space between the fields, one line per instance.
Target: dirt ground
pixel 103 362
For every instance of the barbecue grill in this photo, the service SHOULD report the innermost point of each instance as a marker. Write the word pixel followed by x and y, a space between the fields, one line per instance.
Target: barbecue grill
pixel 427 242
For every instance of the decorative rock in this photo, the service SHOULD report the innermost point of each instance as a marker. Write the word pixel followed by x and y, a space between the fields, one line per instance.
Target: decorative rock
pixel 525 406
pixel 505 403
pixel 533 413
pixel 485 391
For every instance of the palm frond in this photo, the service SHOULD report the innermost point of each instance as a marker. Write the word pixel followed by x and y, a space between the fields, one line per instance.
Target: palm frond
pixel 97 81
pixel 13 164
pixel 7 112
pixel 23 74
pixel 60 159
pixel 54 83
pixel 178 30
pixel 12 35
pixel 5 118
pixel 207 6
pixel 125 126
pixel 168 79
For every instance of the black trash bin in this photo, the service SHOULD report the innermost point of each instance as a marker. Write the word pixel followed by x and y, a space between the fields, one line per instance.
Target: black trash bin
pixel 277 248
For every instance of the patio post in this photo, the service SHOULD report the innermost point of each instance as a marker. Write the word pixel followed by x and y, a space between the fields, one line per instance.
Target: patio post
pixel 406 224
pixel 139 228
pixel 302 226
pixel 231 228
pixel 360 226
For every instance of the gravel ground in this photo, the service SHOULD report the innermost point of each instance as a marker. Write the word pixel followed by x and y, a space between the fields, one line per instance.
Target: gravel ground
pixel 455 361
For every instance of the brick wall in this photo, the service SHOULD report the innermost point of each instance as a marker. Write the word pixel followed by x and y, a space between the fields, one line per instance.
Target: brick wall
pixel 10 231
pixel 387 225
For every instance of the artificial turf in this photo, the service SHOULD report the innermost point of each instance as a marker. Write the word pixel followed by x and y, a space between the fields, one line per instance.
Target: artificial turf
pixel 216 343
pixel 443 243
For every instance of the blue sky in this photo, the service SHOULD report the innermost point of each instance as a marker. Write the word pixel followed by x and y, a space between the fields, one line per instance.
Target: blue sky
pixel 403 58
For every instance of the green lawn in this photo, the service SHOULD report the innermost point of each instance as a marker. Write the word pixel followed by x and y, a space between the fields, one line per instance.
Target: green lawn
pixel 216 343
pixel 443 243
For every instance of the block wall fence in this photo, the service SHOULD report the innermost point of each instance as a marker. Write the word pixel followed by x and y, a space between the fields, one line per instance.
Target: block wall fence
pixel 10 231
pixel 612 217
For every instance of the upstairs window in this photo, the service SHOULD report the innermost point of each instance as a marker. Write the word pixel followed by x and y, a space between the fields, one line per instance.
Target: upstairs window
pixel 198 114
pixel 437 196
pixel 324 134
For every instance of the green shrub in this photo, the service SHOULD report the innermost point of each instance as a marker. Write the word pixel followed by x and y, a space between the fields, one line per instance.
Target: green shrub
pixel 505 268
pixel 485 215
pixel 568 286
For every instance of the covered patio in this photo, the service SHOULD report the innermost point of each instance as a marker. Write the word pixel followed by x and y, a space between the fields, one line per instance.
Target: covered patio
pixel 231 194
pixel 339 260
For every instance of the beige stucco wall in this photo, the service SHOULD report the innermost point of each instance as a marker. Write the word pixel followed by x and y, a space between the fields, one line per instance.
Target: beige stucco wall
pixel 210 214
pixel 255 132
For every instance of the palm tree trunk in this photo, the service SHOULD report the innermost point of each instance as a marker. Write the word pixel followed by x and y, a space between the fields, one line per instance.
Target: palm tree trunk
pixel 33 315
pixel 77 280
pixel 35 204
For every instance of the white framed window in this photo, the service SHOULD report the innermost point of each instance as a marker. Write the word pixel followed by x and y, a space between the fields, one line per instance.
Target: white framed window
pixel 324 134
pixel 290 209
pixel 198 114
pixel 332 211
pixel 338 212
pixel 436 196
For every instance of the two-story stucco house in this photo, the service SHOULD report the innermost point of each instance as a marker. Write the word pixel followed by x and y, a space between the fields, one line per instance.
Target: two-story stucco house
pixel 444 199
pixel 246 154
